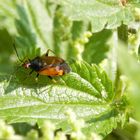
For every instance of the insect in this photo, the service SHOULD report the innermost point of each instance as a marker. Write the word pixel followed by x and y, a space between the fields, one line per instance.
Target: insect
pixel 50 66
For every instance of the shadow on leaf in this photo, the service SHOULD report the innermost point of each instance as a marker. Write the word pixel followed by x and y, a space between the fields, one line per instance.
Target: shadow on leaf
pixel 21 78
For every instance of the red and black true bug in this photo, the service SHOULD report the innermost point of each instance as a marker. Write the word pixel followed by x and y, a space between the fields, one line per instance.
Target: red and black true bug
pixel 50 66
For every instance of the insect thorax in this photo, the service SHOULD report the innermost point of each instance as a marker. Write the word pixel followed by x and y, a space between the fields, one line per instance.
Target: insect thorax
pixel 36 64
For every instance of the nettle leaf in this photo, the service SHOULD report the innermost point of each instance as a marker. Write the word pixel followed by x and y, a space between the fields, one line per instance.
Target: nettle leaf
pixel 7 14
pixel 44 30
pixel 96 49
pixel 100 13
pixel 33 30
pixel 132 73
pixel 86 90
pixel 26 40
pixel 41 22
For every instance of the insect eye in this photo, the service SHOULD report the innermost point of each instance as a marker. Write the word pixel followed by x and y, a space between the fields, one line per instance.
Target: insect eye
pixel 26 65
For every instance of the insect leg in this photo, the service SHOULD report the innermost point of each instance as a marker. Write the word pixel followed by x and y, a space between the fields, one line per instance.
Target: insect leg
pixel 37 77
pixel 53 80
pixel 50 77
pixel 28 75
pixel 49 50
pixel 31 72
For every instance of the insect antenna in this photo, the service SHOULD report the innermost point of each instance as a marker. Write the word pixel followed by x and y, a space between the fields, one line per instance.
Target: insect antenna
pixel 14 46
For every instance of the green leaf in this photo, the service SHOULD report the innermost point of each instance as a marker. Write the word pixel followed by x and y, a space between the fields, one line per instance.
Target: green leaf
pixel 100 13
pixel 87 91
pixel 26 39
pixel 7 15
pixel 32 28
pixel 97 47
pixel 109 64
pixel 6 50
pixel 41 22
pixel 131 67
pixel 129 61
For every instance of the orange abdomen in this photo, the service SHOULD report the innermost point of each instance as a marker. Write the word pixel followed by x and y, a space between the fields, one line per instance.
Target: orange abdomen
pixel 51 71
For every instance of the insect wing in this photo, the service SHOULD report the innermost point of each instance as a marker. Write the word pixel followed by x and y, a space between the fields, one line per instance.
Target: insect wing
pixel 54 66
pixel 55 70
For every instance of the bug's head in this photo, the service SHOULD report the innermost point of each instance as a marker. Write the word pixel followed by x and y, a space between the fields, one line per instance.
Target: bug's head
pixel 26 64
